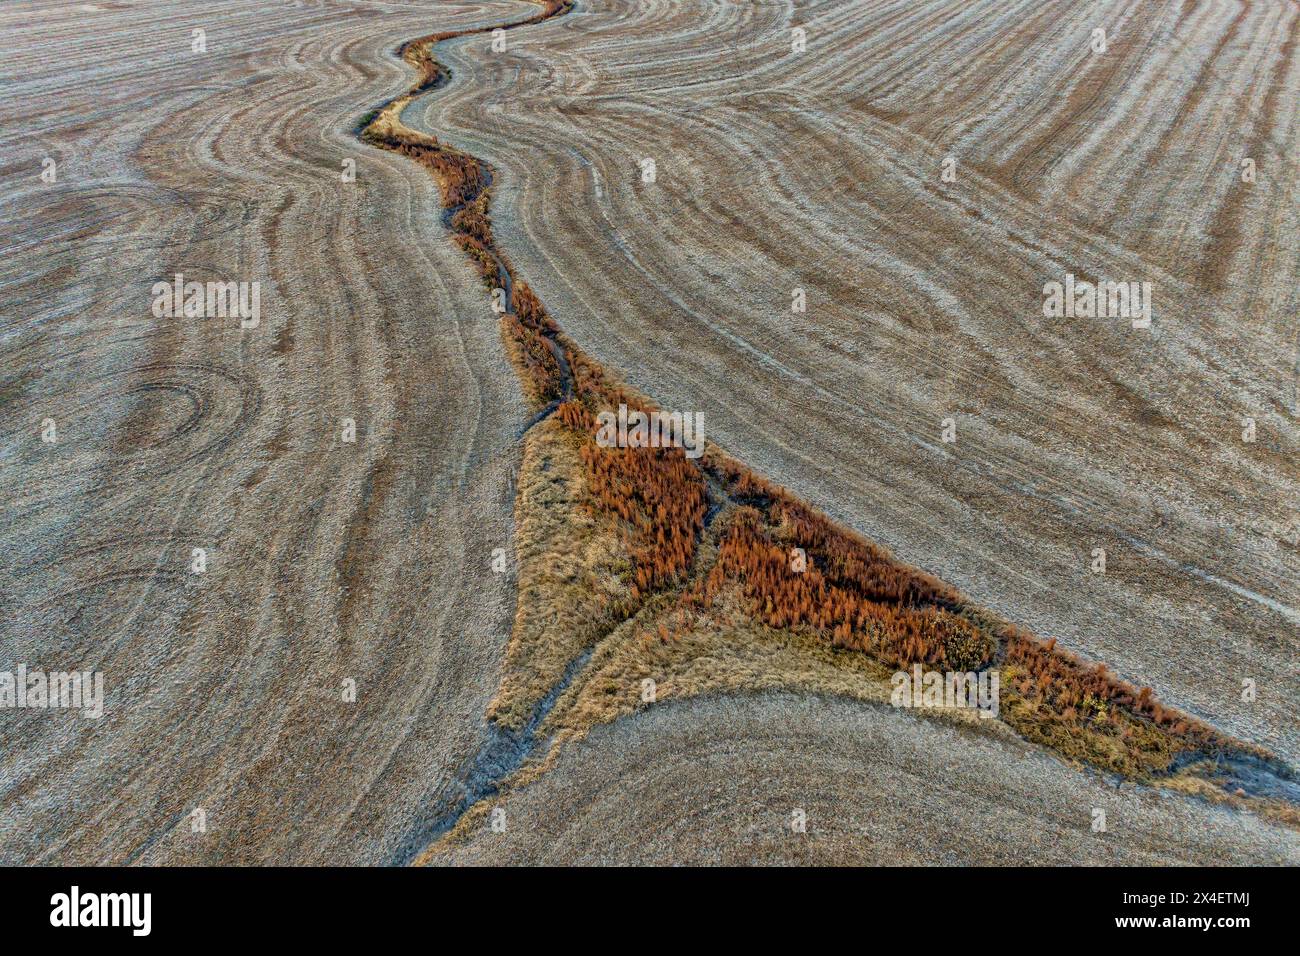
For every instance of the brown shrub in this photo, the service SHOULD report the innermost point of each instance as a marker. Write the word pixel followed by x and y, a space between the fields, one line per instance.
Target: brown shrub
pixel 1062 682
pixel 537 362
pixel 662 499
pixel 849 614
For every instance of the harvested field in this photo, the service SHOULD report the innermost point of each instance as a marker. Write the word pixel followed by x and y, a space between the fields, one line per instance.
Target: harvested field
pixel 823 172
pixel 877 788
pixel 642 206
pixel 326 561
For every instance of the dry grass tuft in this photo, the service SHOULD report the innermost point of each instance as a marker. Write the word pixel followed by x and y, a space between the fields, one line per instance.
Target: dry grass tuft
pixel 574 578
